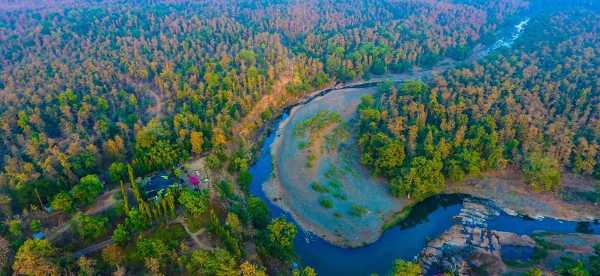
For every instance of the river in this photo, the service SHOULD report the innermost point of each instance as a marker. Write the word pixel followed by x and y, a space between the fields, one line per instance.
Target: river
pixel 429 219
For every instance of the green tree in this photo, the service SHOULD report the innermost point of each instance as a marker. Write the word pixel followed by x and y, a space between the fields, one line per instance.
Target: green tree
pixel 405 268
pixel 89 228
pixel 86 266
pixel 307 271
pixel 150 247
pixel 87 190
pixel 121 235
pixel 413 87
pixel 135 221
pixel 35 225
pixel 542 173
pixel 423 178
pixel 218 262
pixel 195 203
pixel 244 180
pixel 62 202
pixel 281 236
pixel 390 158
pixel 36 257
pixel 117 172
pixel 534 272
pixel 258 212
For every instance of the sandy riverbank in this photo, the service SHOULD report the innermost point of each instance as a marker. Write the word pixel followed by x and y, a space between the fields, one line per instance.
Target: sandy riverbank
pixel 290 187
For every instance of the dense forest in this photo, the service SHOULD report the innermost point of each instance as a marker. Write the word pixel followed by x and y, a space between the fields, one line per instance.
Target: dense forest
pixel 95 95
pixel 535 106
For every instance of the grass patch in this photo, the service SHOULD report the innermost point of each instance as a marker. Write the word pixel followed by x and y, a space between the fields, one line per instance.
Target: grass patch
pixel 317 122
pixel 339 135
pixel 310 160
pixel 398 217
pixel 339 195
pixel 302 145
pixel 357 210
pixel 317 187
pixel 326 203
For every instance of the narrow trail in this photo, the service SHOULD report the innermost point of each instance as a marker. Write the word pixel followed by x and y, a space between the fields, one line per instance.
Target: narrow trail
pixel 92 248
pixel 104 202
pixel 193 236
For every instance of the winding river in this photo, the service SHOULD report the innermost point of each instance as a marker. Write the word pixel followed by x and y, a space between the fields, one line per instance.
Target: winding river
pixel 428 220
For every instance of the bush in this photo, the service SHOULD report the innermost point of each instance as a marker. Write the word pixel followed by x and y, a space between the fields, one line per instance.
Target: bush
pixel 89 228
pixel 326 203
pixel 542 173
pixel 357 211
pixel 87 190
pixel 62 202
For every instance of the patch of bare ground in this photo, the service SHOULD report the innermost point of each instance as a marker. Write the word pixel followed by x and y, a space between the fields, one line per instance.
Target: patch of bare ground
pixel 351 210
pixel 509 191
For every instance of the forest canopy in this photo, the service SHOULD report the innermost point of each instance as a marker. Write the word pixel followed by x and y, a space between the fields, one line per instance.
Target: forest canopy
pixel 535 106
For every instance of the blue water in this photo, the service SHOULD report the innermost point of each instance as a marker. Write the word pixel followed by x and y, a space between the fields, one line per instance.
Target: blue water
pixel 427 221
pixel 403 241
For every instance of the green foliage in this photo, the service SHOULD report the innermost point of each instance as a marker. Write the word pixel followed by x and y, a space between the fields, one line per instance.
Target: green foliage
pixel 36 257
pixel 84 163
pixel 326 203
pixel 542 173
pixel 26 194
pixel 307 271
pixel 218 262
pixel 534 272
pixel 151 248
pixel 413 87
pixel 89 228
pixel 15 231
pixel 244 180
pixel 317 187
pixel 357 210
pixel 423 178
pixel 35 225
pixel 87 190
pixel 62 202
pixel 121 235
pixel 259 212
pixel 195 203
pixel 317 122
pixel 406 268
pixel 117 172
pixel 570 267
pixel 135 221
pixel 594 261
pixel 280 241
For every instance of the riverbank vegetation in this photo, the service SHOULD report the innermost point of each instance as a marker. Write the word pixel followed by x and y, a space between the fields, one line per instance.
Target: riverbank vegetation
pixel 533 106
pixel 94 94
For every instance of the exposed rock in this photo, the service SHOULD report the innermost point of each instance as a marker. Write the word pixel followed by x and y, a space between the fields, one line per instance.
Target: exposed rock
pixel 470 244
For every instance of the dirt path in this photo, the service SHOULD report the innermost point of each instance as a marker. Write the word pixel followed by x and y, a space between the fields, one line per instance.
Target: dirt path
pixel 103 203
pixel 92 248
pixel 194 235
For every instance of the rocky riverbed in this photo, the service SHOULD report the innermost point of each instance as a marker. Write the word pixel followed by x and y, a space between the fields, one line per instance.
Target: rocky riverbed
pixel 471 247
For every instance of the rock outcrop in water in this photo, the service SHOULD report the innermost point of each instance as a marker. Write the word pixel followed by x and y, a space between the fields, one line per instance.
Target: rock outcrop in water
pixel 469 245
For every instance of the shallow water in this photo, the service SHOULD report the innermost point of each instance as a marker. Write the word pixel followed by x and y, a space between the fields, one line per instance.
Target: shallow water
pixel 428 220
